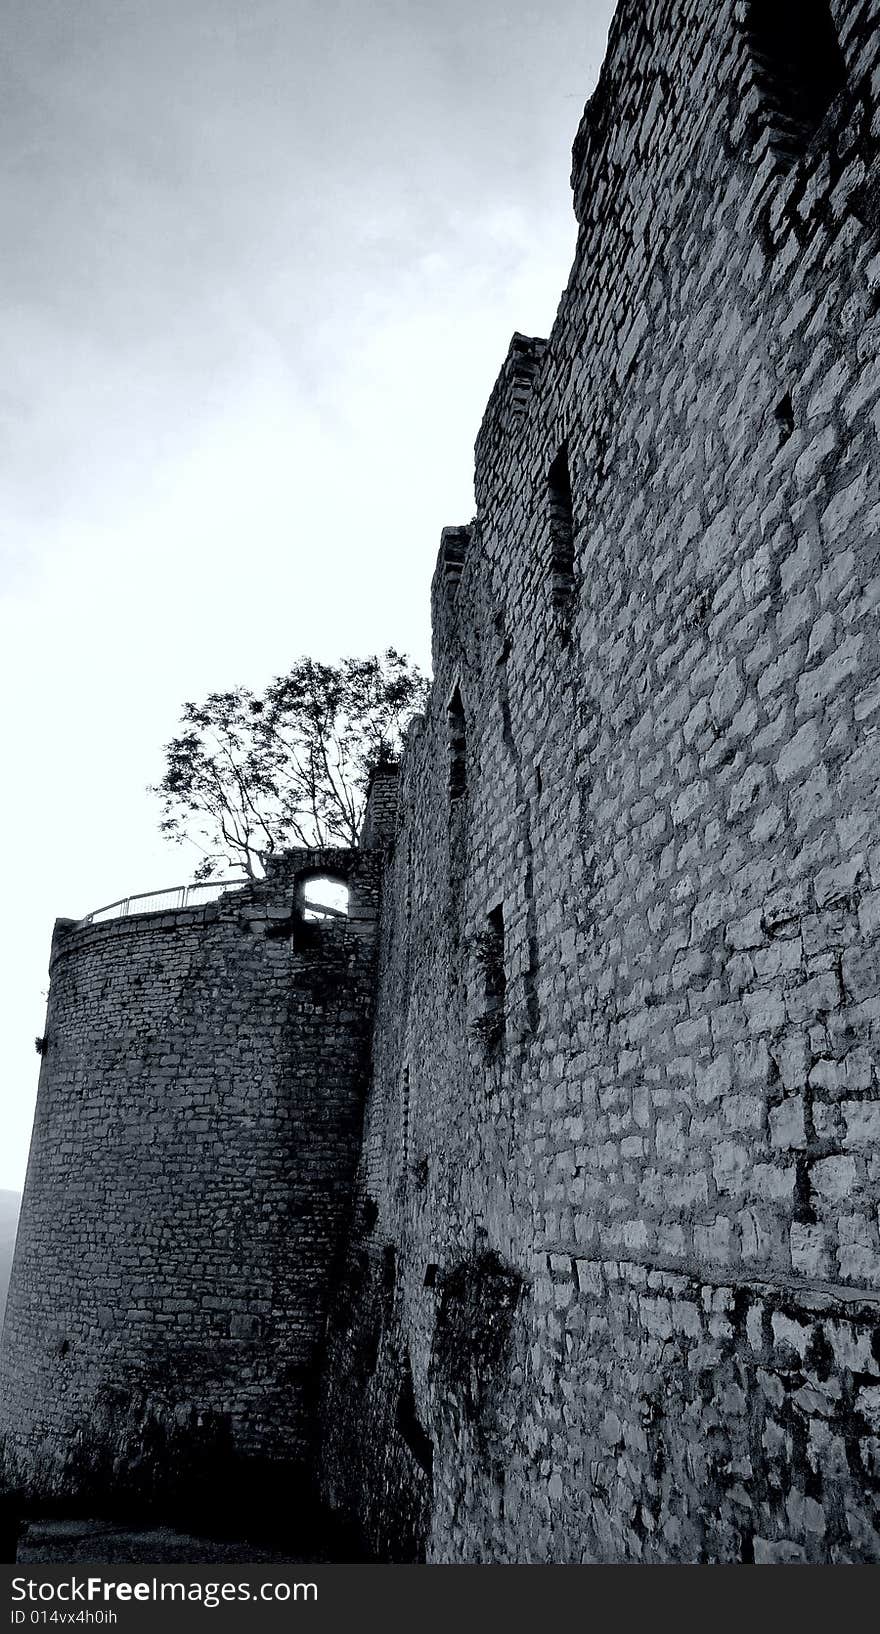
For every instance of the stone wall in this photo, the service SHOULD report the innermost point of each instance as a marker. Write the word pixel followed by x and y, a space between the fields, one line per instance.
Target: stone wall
pixel 613 1288
pixel 380 817
pixel 196 1133
pixel 612 1275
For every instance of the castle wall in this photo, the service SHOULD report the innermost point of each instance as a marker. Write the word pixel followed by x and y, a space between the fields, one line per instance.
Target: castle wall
pixel 613 1288
pixel 196 1133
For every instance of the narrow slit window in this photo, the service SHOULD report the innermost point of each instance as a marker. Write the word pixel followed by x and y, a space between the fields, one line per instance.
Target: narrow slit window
pixel 496 977
pixel 561 510
pixel 784 416
pixel 799 66
pixel 404 1119
pixel 456 745
pixel 490 1027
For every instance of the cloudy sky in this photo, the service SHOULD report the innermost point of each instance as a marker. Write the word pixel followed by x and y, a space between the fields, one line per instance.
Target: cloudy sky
pixel 262 262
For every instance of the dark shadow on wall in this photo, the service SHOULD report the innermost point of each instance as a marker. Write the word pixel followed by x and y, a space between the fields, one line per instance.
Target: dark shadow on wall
pixel 136 1463
pixel 798 63
pixel 470 1359
pixel 376 1455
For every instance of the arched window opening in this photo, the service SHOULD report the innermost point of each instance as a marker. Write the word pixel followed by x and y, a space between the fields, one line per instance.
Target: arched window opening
pixel 455 737
pixel 561 508
pixel 799 65
pixel 324 898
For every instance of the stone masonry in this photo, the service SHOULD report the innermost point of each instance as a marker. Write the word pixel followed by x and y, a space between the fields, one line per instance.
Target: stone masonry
pixel 611 1272
pixel 614 1278
pixel 196 1133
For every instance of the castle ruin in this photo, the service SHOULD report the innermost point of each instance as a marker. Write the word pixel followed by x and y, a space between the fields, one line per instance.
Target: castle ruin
pixel 531 1213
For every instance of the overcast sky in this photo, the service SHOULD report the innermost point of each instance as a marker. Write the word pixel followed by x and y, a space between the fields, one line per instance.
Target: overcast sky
pixel 262 261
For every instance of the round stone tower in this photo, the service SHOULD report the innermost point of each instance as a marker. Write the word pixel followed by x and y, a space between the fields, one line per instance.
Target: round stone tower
pixel 195 1137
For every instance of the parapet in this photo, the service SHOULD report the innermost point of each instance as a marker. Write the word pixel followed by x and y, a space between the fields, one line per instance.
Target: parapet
pixel 455 545
pixel 380 817
pixel 505 411
pixel 451 557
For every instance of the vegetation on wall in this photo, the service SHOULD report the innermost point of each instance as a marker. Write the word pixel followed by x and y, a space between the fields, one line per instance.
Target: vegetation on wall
pixel 250 773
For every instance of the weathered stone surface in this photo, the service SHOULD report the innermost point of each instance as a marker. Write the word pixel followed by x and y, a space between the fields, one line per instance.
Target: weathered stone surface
pixel 612 1278
pixel 672 782
pixel 195 1140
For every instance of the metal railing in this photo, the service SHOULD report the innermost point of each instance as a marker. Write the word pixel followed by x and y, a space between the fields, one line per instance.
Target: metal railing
pixel 170 898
